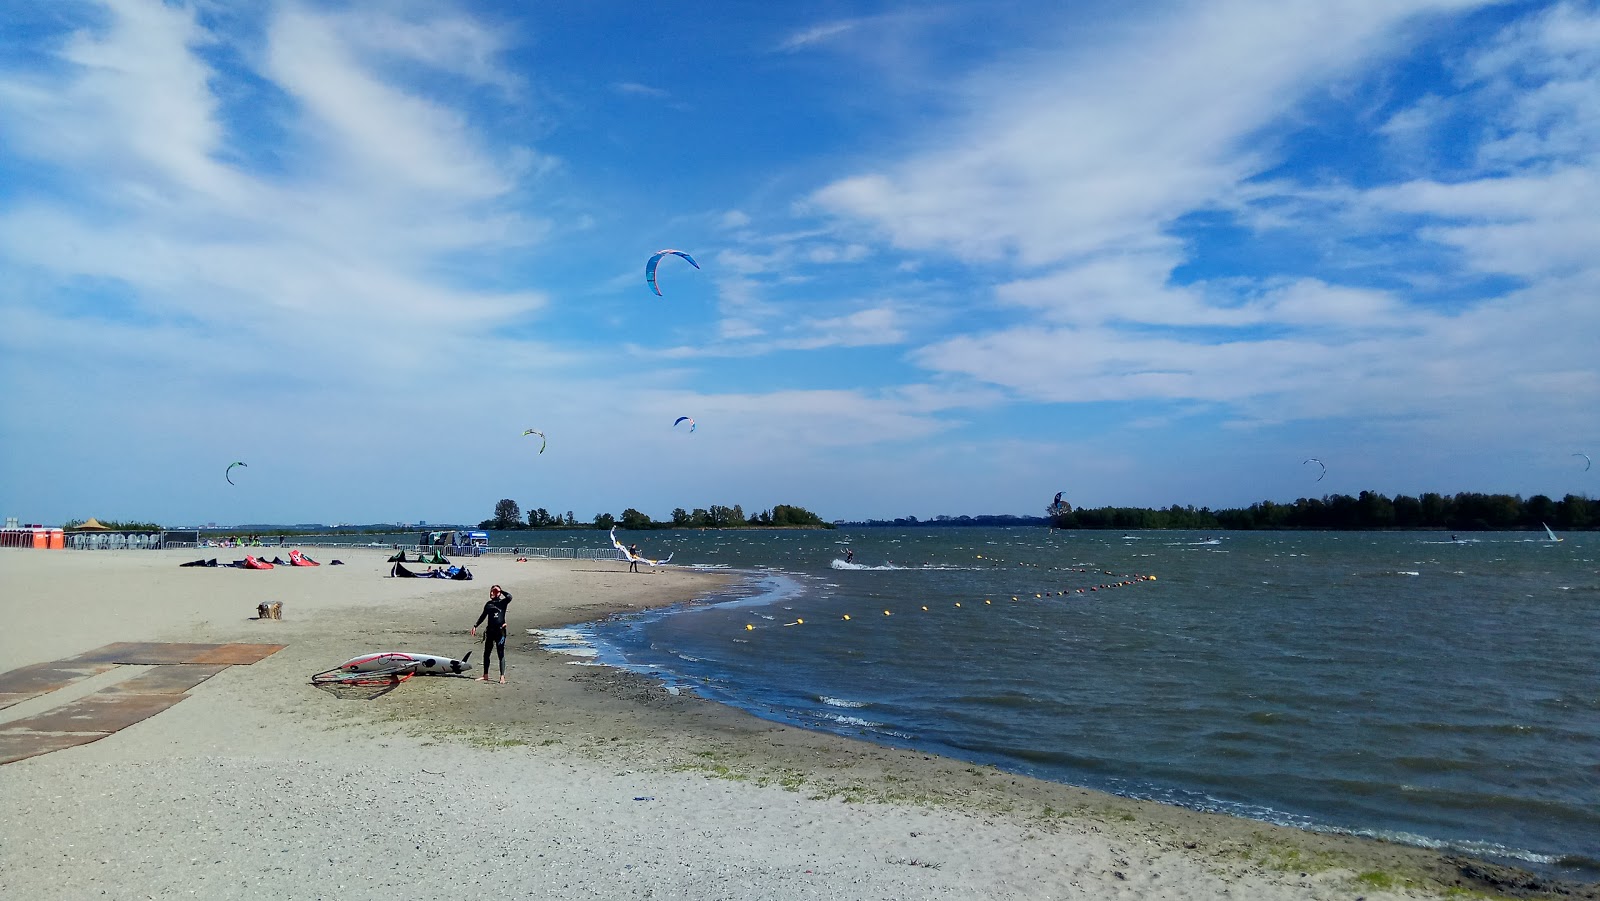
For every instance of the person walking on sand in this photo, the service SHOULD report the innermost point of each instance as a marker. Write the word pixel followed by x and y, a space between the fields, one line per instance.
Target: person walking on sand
pixel 493 620
pixel 633 558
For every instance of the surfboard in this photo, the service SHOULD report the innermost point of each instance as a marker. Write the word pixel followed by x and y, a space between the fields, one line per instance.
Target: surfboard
pixel 406 661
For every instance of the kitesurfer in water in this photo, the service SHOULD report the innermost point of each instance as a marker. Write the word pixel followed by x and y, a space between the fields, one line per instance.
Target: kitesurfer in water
pixel 493 620
pixel 849 556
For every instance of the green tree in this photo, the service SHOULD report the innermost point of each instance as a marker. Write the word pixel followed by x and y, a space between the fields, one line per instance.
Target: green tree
pixel 604 521
pixel 507 515
pixel 633 519
pixel 680 516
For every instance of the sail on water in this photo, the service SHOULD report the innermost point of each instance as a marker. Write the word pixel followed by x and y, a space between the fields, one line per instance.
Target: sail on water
pixel 1552 535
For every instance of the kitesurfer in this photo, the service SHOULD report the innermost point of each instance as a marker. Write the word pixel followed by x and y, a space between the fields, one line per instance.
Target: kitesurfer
pixel 849 556
pixel 633 558
pixel 493 620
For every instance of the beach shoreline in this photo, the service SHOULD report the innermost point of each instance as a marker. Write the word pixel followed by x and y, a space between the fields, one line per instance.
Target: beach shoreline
pixel 629 787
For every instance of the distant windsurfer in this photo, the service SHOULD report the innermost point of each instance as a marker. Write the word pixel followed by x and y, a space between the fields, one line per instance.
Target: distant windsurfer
pixel 493 620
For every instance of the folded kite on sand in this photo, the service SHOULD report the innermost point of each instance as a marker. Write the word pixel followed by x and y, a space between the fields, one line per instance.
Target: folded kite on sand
pixel 456 573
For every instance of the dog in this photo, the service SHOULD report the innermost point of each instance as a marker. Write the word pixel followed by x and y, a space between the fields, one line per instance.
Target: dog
pixel 270 611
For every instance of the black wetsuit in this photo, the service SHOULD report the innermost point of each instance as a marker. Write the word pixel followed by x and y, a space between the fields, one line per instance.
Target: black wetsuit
pixel 493 619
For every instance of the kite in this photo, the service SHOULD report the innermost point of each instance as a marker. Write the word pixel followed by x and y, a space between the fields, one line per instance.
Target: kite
pixel 1586 461
pixel 542 441
pixel 650 267
pixel 632 557
pixel 228 473
pixel 1055 505
pixel 683 419
pixel 1319 463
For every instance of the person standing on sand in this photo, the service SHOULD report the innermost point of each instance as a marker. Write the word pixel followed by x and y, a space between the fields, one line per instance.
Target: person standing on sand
pixel 493 620
pixel 633 558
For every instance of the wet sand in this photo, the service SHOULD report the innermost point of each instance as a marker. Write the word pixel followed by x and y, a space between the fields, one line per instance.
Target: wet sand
pixel 569 781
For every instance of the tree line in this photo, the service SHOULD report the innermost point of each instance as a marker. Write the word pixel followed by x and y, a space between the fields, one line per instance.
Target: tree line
pixel 1464 512
pixel 508 517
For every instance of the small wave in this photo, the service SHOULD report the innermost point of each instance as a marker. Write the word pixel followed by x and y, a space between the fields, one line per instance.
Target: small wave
pixel 846 720
pixel 1388 574
pixel 887 567
pixel 568 642
pixel 840 702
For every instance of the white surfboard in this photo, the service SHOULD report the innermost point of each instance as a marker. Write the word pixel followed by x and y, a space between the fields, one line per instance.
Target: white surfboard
pixel 406 661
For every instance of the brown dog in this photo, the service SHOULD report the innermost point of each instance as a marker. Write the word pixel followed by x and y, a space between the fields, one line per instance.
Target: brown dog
pixel 270 611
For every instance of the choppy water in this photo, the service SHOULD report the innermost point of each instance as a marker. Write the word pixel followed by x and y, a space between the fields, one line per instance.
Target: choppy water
pixel 1398 685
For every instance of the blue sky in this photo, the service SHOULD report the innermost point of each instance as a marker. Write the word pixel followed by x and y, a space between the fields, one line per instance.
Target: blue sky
pixel 956 257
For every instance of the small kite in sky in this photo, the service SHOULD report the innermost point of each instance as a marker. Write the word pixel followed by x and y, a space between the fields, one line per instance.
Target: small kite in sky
pixel 1586 461
pixel 1319 463
pixel 683 419
pixel 542 441
pixel 650 267
pixel 228 473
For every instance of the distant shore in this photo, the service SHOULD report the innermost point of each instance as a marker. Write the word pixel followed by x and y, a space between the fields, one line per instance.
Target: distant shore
pixel 569 781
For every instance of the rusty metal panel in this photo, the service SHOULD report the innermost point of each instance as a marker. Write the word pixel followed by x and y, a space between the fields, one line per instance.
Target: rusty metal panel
pixel 98 713
pixel 42 678
pixel 173 679
pixel 156 652
pixel 168 652
pixel 21 744
pixel 239 653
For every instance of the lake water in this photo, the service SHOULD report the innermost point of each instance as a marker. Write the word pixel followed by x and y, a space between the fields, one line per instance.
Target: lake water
pixel 1397 685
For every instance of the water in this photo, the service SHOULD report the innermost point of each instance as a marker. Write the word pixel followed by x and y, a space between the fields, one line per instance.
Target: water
pixel 1397 685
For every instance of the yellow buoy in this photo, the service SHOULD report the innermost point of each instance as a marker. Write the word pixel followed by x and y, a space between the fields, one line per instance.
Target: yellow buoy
pixel 749 628
pixel 847 616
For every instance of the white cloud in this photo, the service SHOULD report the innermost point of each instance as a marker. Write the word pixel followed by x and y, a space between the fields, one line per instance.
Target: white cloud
pixel 642 90
pixel 383 134
pixel 1100 147
pixel 819 33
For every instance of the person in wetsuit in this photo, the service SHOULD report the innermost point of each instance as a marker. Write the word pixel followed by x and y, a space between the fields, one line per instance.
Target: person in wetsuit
pixel 493 620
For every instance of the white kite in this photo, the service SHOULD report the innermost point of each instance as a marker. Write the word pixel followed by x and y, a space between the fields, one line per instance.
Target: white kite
pixel 630 556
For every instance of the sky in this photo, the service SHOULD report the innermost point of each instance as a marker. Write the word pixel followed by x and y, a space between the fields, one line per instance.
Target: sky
pixel 955 257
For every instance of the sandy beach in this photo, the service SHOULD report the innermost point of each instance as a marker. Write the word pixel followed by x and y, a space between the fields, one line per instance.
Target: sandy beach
pixel 570 781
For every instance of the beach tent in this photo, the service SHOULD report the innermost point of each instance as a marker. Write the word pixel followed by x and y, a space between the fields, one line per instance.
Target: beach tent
pixel 91 525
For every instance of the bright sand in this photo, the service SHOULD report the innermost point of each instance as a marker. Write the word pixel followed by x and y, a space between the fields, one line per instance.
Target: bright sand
pixel 569 782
